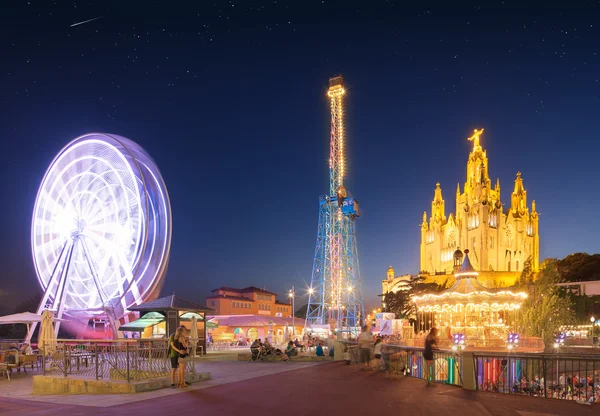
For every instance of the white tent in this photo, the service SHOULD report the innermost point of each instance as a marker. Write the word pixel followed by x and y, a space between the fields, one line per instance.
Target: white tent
pixel 26 318
pixel 21 318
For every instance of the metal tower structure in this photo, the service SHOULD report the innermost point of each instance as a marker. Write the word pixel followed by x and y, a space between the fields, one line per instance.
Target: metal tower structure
pixel 335 296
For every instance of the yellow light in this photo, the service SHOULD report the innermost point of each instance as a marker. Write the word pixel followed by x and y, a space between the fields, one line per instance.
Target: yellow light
pixel 350 288
pixel 311 291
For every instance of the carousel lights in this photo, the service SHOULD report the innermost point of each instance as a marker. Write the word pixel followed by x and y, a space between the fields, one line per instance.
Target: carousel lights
pixel 513 340
pixel 428 296
pixel 559 339
pixel 459 342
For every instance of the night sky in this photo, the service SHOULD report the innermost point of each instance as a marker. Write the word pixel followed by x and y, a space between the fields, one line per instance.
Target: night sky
pixel 229 99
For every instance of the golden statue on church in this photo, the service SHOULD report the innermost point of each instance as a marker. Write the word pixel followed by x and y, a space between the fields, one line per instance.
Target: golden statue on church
pixel 475 137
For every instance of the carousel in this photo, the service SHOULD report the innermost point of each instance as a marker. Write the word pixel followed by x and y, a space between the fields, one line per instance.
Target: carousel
pixel 481 316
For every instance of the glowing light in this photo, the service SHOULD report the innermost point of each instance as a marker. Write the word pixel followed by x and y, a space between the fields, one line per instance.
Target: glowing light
pixel 104 196
pixel 311 291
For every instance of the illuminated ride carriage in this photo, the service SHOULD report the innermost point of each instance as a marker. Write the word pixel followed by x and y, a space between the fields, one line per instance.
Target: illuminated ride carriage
pixel 483 315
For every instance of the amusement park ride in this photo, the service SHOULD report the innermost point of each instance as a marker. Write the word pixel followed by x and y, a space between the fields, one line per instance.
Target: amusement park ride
pixel 101 230
pixel 335 297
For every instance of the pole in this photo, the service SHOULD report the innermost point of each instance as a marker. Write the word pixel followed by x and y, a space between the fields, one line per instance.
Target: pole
pixel 293 312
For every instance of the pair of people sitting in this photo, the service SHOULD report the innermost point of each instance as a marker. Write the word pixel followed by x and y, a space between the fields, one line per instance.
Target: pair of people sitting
pixel 290 351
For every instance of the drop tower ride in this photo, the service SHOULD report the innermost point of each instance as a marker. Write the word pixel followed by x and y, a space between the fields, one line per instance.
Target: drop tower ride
pixel 335 296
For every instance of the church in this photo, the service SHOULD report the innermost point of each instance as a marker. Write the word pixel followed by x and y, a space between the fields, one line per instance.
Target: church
pixel 499 239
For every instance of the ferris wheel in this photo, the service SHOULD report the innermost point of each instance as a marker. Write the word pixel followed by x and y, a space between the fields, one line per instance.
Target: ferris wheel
pixel 101 229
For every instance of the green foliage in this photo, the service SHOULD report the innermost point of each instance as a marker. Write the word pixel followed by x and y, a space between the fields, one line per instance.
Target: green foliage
pixel 400 302
pixel 579 267
pixel 547 306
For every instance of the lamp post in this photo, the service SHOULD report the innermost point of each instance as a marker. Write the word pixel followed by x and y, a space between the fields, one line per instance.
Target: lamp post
pixel 292 295
pixel 593 321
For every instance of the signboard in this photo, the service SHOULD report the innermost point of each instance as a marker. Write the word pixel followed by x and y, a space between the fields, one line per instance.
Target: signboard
pixel 383 323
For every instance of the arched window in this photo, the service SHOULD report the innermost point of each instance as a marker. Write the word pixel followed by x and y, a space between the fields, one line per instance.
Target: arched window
pixel 252 333
pixel 238 333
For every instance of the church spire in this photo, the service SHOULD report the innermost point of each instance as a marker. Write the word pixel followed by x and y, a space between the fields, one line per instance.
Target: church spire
pixel 438 208
pixel 518 200
pixel 437 195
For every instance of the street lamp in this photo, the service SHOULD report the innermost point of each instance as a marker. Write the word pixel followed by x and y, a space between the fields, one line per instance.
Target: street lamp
pixel 292 295
pixel 593 321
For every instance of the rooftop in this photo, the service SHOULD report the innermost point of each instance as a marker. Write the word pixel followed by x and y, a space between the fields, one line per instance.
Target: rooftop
pixel 171 302
pixel 230 297
pixel 249 289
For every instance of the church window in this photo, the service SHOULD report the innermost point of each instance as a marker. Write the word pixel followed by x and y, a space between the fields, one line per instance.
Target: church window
pixel 517 265
pixel 491 242
pixel 429 237
pixel 529 228
pixel 493 219
pixel 472 221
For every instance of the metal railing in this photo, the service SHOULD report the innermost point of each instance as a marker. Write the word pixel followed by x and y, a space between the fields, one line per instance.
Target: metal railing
pixel 129 360
pixel 557 376
pixel 447 366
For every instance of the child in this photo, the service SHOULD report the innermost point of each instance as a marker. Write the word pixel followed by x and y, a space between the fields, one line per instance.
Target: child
pixel 347 357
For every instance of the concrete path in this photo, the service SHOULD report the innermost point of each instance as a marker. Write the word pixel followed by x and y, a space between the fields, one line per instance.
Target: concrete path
pixel 273 388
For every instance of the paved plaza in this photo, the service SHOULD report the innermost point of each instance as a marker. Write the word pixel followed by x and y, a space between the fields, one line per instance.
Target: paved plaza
pixel 290 389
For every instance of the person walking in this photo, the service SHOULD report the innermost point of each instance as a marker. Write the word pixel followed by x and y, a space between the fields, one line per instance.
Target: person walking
pixel 430 341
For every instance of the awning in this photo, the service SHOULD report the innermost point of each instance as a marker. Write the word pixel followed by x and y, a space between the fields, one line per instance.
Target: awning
pixel 189 315
pixel 140 325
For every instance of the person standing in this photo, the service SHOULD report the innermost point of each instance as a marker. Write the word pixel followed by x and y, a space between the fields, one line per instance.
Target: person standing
pixel 365 341
pixel 175 351
pixel 430 341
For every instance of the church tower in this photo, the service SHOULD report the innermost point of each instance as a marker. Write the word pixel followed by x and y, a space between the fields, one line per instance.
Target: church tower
pixel 498 240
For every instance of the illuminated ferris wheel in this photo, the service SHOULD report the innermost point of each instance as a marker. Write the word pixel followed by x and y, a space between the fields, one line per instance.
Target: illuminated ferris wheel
pixel 101 229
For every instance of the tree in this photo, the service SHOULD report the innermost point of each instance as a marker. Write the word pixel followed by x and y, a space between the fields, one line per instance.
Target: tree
pixel 400 302
pixel 547 306
pixel 580 267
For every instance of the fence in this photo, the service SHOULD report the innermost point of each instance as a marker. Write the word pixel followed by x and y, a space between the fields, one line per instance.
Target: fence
pixel 558 376
pixel 447 367
pixel 129 360
pixel 567 377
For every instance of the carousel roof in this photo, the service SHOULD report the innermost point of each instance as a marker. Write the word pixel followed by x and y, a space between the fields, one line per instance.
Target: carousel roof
pixel 467 288
pixel 466 269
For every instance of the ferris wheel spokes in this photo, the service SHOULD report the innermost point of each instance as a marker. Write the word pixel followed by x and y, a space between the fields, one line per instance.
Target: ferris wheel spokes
pixel 109 309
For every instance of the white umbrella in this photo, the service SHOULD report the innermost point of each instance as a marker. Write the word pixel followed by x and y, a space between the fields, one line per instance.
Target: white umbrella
pixel 194 335
pixel 47 337
pixel 26 318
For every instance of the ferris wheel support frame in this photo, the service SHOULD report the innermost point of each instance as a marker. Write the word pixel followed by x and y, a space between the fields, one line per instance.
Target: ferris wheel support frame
pixel 59 285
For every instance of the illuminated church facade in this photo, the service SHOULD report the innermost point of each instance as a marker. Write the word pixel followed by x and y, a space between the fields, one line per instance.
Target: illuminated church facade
pixel 499 239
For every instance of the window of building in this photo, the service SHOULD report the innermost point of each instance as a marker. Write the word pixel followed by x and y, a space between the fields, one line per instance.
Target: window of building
pixel 212 303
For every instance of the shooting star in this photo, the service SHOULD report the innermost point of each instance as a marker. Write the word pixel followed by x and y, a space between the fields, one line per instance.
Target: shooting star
pixel 86 21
